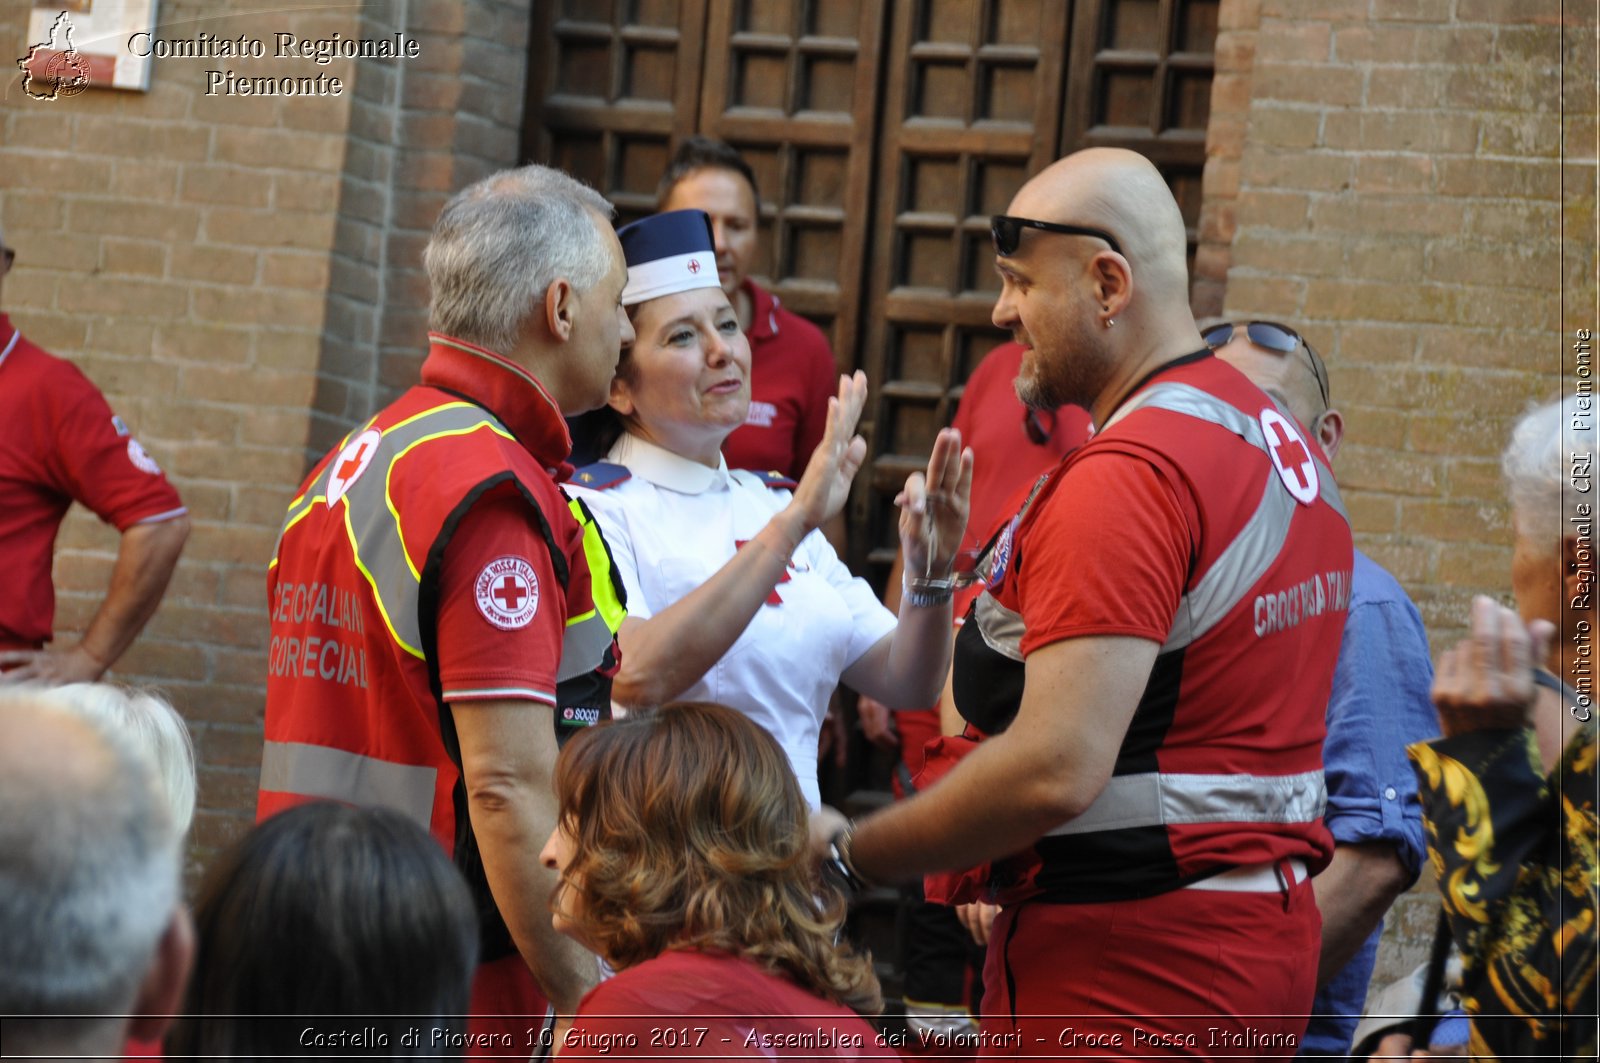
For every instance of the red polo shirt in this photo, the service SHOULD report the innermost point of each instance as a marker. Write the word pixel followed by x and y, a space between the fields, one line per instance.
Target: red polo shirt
pixel 60 443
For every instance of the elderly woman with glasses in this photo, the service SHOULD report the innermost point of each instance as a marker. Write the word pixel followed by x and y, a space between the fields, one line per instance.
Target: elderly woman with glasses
pixel 732 597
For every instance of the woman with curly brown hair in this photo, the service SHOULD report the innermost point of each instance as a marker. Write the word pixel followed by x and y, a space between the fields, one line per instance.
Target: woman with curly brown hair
pixel 682 851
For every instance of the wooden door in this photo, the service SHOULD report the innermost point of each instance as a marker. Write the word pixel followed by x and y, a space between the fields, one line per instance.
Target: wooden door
pixel 883 134
pixel 982 94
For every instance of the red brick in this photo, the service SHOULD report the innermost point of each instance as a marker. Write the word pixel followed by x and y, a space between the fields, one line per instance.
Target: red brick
pixel 143 180
pixel 139 257
pixel 230 185
pixel 1435 11
pixel 1239 15
pixel 279 149
pixel 1499 178
pixel 1504 87
pixel 224 746
pixel 57 172
pixel 316 193
pixel 1501 12
pixel 153 221
pixel 1276 126
pixel 1373 514
pixel 119 135
pixel 215 264
pixel 1371 469
pixel 295 269
pixel 1273 209
pixel 1394 173
pixel 118 336
pixel 133 298
pixel 1295 42
pixel 1300 255
pixel 1297 171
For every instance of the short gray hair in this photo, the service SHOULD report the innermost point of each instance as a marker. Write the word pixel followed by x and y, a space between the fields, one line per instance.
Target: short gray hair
pixel 88 867
pixel 500 243
pixel 152 723
pixel 1549 450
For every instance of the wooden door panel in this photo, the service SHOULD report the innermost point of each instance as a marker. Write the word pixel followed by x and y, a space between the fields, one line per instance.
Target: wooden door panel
pixel 980 77
pixel 793 85
pixel 611 85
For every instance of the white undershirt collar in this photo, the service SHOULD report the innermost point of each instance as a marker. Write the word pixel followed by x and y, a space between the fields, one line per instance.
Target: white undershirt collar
pixel 663 468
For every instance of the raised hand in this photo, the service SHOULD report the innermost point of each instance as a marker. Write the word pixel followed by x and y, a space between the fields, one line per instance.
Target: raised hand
pixel 825 485
pixel 933 508
pixel 1486 681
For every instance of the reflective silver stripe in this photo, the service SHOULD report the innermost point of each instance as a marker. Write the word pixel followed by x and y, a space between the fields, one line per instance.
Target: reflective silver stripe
pixel 1248 557
pixel 375 533
pixel 1000 627
pixel 1155 799
pixel 583 646
pixel 321 771
pixel 1192 402
pixel 1238 568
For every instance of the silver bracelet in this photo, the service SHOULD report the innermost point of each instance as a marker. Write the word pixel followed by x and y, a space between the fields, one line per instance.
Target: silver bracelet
pixel 925 593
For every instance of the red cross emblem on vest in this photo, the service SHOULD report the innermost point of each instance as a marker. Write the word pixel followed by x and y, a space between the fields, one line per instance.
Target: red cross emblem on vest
pixel 351 463
pixel 1291 457
pixel 694 265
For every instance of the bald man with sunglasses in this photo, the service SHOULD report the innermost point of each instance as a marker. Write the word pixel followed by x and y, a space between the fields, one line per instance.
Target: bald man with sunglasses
pixel 1379 705
pixel 1150 660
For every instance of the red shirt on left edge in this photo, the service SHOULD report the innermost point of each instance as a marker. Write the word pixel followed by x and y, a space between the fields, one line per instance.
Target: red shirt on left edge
pixel 60 442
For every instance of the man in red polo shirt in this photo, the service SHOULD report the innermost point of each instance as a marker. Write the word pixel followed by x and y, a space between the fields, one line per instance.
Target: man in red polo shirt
pixel 60 443
pixel 440 612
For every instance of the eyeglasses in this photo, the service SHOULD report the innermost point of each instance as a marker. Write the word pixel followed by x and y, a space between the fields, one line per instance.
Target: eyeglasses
pixel 1007 232
pixel 1274 337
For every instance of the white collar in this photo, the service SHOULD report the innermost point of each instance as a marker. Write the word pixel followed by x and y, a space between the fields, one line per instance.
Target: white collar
pixel 663 468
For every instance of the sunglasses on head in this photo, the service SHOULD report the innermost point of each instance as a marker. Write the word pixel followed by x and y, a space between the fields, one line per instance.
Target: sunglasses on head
pixel 1007 232
pixel 1274 337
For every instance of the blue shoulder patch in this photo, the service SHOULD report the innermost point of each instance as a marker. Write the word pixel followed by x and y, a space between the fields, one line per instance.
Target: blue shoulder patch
pixel 774 479
pixel 601 475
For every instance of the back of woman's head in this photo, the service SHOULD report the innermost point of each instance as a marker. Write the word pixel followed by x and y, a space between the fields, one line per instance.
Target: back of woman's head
pixel 690 831
pixel 328 910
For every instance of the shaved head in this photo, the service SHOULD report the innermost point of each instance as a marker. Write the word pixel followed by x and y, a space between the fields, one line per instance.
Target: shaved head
pixel 1122 192
pixel 1095 314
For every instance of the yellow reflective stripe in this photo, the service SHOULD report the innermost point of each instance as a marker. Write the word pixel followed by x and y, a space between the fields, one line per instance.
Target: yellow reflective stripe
pixel 388 476
pixel 377 595
pixel 603 589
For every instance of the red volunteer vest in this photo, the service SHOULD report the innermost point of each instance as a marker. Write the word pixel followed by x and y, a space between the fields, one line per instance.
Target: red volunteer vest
pixel 1222 763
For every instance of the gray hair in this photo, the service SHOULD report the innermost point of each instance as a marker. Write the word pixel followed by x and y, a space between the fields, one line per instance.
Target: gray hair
pixel 1550 454
pixel 500 243
pixel 88 868
pixel 153 725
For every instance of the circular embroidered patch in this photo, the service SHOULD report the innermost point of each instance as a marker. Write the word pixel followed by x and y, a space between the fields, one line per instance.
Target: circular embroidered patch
pixel 1290 456
pixel 508 593
pixel 141 459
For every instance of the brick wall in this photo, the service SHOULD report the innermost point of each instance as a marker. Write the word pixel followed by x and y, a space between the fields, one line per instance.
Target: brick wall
pixel 240 276
pixel 1388 176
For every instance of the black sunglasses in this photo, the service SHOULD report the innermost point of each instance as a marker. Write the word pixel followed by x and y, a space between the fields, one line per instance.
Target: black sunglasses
pixel 1274 337
pixel 10 257
pixel 1007 232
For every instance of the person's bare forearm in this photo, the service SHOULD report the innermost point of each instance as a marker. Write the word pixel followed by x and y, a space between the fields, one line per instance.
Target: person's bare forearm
pixel 512 823
pixel 665 654
pixel 1354 893
pixel 146 558
pixel 508 756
